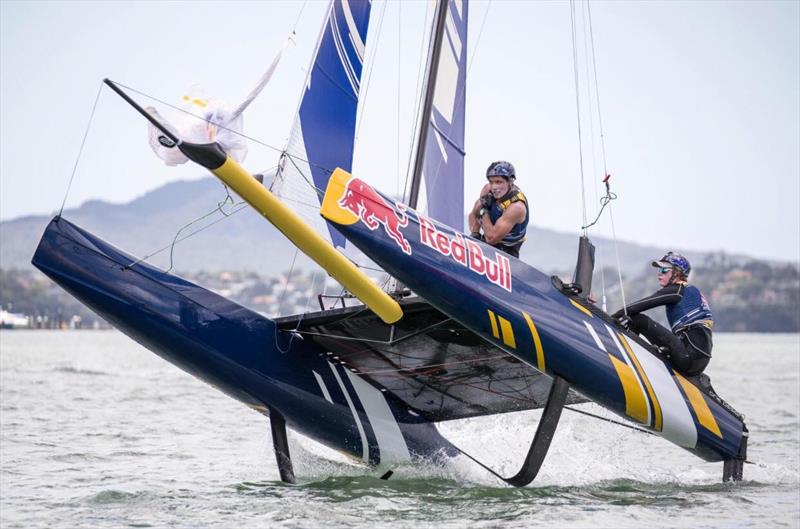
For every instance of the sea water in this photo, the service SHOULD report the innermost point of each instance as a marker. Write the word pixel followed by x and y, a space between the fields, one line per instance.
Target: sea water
pixel 96 431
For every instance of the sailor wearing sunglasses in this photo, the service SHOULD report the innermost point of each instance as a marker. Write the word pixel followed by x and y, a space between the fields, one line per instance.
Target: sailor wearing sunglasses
pixel 688 345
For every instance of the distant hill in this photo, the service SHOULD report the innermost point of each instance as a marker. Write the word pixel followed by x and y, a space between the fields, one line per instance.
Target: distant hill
pixel 245 242
pixel 244 257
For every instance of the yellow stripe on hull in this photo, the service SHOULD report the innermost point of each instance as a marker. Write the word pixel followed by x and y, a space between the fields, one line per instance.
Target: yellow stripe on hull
pixel 580 307
pixel 704 415
pixel 635 401
pixel 308 240
pixel 508 333
pixel 493 321
pixel 537 343
pixel 658 423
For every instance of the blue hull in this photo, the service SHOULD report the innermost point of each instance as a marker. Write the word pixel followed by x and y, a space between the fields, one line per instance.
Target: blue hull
pixel 237 350
pixel 523 312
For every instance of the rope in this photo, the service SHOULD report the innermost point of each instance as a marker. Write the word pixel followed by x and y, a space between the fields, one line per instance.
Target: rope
pixel 619 266
pixel 618 423
pixel 578 107
pixel 292 157
pixel 296 22
pixel 605 164
pixel 80 151
pixel 599 253
pixel 175 107
pixel 228 199
pixel 397 102
pixel 604 201
pixel 495 474
pixel 286 285
pixel 300 319
pixel 240 207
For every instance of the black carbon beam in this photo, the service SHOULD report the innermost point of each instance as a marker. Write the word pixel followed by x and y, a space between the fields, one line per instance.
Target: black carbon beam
pixel 209 155
pixel 733 469
pixel 541 441
pixel 544 434
pixel 281 445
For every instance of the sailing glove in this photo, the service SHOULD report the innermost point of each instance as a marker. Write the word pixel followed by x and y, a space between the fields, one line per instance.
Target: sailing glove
pixel 624 321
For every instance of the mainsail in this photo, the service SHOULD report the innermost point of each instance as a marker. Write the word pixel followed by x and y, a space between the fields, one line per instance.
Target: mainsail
pixel 323 133
pixel 442 183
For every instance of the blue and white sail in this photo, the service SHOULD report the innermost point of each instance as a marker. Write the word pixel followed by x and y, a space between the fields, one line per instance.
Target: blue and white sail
pixel 442 186
pixel 323 133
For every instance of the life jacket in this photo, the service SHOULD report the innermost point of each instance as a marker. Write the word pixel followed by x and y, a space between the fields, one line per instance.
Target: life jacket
pixel 692 309
pixel 498 206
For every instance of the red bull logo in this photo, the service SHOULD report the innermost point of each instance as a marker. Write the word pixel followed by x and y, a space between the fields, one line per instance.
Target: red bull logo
pixel 361 200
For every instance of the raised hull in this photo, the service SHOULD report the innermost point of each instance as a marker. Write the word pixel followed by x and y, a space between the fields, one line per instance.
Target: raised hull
pixel 522 311
pixel 237 350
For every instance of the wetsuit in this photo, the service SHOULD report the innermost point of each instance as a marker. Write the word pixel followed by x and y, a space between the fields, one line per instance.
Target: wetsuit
pixel 690 317
pixel 513 240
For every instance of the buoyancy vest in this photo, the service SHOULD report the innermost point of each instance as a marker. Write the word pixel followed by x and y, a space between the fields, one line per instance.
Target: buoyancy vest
pixel 498 207
pixel 691 309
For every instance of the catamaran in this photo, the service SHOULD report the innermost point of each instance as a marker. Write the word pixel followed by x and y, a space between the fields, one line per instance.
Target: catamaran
pixel 465 331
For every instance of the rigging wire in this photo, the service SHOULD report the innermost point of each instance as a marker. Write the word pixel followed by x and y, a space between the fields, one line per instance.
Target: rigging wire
pixel 368 67
pixel 605 165
pixel 286 286
pixel 578 106
pixel 606 419
pixel 220 207
pixel 497 475
pixel 429 13
pixel 397 101
pixel 179 109
pixel 80 151
pixel 599 252
pixel 297 21
pixel 283 152
pixel 238 207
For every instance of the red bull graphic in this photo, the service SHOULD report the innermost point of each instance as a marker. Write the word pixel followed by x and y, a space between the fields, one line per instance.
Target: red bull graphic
pixel 360 199
pixel 467 253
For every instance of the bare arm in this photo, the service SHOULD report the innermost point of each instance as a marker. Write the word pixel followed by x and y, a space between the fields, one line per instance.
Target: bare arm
pixel 513 215
pixel 474 222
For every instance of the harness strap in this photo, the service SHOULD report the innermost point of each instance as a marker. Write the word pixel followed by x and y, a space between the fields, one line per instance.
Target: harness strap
pixel 519 196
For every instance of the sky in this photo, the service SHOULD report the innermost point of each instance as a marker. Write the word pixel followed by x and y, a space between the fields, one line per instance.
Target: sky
pixel 700 105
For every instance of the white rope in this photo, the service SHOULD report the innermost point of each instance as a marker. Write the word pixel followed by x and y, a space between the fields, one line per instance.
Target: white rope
pixel 578 108
pixel 599 253
pixel 605 165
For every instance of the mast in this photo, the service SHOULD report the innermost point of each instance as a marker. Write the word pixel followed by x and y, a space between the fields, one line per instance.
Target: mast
pixel 434 52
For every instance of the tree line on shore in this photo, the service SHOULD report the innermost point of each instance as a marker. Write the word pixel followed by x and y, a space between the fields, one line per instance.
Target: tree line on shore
pixel 751 296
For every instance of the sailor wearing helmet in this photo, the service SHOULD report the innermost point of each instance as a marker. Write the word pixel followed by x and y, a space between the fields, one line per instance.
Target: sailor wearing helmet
pixel 689 342
pixel 501 212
